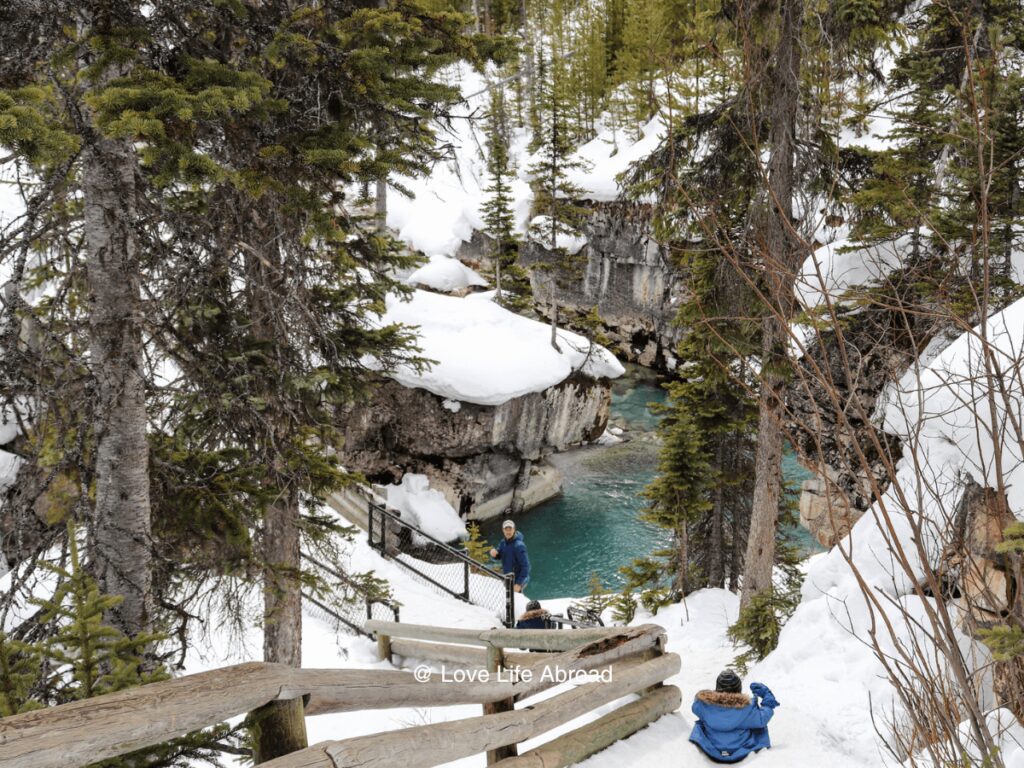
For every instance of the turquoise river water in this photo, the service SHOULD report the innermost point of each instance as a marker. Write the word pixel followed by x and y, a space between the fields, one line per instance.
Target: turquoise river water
pixel 595 525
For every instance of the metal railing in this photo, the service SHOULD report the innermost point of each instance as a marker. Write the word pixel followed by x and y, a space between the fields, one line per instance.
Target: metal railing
pixel 357 606
pixel 440 565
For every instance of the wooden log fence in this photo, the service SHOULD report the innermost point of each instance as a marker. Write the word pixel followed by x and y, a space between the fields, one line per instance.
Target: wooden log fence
pixel 83 732
pixel 430 745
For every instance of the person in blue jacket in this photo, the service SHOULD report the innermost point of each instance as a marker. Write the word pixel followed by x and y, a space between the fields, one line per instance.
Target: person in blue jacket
pixel 730 725
pixel 512 552
pixel 534 618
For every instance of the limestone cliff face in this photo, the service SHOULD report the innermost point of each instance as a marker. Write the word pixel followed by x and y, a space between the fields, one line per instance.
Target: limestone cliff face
pixel 483 458
pixel 627 275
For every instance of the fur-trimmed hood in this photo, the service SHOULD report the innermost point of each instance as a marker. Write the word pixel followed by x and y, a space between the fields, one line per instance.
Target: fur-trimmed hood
pixel 539 613
pixel 723 699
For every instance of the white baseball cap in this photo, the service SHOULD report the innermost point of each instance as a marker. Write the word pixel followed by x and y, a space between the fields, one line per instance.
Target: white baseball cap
pixel 508 524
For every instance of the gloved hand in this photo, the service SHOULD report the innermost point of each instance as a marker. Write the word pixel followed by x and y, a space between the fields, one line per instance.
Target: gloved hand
pixel 767 697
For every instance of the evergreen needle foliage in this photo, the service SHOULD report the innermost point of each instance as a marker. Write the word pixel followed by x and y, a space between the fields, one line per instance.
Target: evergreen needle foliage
pixel 477 547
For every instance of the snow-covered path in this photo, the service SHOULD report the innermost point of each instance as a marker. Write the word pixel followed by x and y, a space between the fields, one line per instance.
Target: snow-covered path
pixel 696 631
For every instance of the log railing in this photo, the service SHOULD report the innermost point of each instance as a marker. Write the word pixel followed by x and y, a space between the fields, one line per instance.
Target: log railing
pixel 632 661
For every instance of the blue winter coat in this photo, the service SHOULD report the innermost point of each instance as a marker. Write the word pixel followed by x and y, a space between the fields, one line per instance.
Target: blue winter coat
pixel 514 559
pixel 731 725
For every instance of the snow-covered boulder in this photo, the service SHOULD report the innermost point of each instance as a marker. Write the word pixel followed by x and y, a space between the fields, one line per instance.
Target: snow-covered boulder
pixel 445 274
pixel 497 399
pixel 486 355
pixel 425 508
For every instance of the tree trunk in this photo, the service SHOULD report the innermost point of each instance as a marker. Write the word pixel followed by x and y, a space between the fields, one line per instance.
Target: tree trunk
pixel 716 557
pixel 781 256
pixel 680 583
pixel 280 726
pixel 282 597
pixel 381 205
pixel 120 539
pixel 554 319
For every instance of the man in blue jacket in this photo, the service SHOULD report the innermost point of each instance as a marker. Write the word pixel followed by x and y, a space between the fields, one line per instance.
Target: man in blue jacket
pixel 512 552
pixel 730 725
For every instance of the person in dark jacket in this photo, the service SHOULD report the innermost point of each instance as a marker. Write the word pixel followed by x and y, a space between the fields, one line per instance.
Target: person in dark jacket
pixel 512 552
pixel 535 617
pixel 730 725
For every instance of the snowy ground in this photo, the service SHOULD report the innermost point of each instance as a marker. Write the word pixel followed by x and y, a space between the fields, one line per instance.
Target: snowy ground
pixel 696 631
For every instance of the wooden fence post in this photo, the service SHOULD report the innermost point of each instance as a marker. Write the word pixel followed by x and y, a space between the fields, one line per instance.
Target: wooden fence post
pixel 495 663
pixel 658 649
pixel 278 728
pixel 384 647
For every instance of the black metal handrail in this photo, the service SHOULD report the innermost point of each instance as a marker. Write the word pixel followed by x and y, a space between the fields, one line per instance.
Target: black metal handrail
pixel 377 518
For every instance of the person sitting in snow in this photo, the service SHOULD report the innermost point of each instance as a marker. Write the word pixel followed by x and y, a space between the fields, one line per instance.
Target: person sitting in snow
pixel 730 725
pixel 512 552
pixel 535 617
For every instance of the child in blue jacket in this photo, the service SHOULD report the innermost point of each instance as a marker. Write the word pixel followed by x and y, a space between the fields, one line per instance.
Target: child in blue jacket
pixel 730 725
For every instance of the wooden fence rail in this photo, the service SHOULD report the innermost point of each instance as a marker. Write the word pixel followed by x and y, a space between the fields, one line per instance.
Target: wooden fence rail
pixel 533 639
pixel 430 745
pixel 108 726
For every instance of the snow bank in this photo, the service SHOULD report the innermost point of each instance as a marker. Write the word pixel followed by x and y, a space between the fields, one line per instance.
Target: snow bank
pixel 445 206
pixel 426 508
pixel 9 465
pixel 943 409
pixel 836 267
pixel 610 154
pixel 485 354
pixel 941 412
pixel 443 273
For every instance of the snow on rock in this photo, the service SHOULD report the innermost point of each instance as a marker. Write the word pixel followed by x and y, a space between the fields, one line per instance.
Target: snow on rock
pixel 426 508
pixel 609 438
pixel 451 405
pixel 445 207
pixel 443 273
pixel 836 267
pixel 540 232
pixel 610 154
pixel 9 465
pixel 487 355
pixel 482 296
